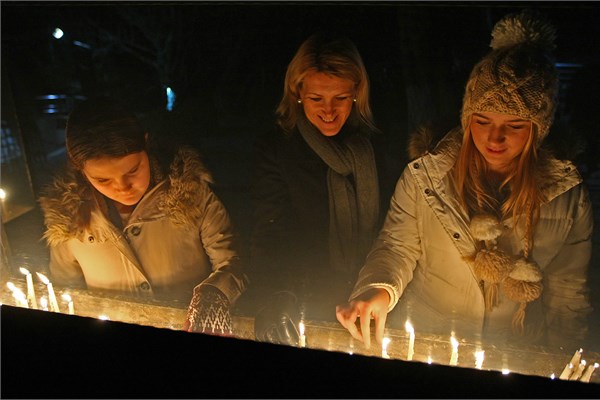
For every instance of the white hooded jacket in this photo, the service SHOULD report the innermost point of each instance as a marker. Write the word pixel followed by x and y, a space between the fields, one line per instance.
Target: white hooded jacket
pixel 421 256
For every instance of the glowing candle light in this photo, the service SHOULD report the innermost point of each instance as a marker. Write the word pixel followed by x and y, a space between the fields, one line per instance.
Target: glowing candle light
pixel 51 295
pixel 577 372
pixel 44 303
pixel 30 290
pixel 429 360
pixel 103 317
pixel 479 354
pixel 566 373
pixel 552 376
pixel 587 375
pixel 454 356
pixel 384 344
pixel 505 371
pixel 411 340
pixel 68 299
pixel 302 338
pixel 20 298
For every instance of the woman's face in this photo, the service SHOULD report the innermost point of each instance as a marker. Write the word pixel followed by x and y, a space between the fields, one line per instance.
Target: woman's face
pixel 500 138
pixel 327 101
pixel 123 180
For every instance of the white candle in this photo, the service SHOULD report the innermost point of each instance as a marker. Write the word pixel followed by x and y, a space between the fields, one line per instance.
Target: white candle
pixel 411 340
pixel 454 356
pixel 479 354
pixel 302 339
pixel 20 298
pixel 51 296
pixel 577 372
pixel 568 370
pixel 68 299
pixel 30 290
pixel 587 375
pixel 44 303
pixel 384 345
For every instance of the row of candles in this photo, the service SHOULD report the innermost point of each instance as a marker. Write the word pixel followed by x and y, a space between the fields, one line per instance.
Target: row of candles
pixel 29 300
pixel 575 370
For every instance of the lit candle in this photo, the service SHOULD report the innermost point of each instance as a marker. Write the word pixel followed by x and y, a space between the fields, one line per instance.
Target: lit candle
pixel 587 375
pixel 454 356
pixel 302 336
pixel 103 317
pixel 384 345
pixel 552 376
pixel 429 360
pixel 44 303
pixel 411 340
pixel 479 358
pixel 68 299
pixel 51 295
pixel 577 372
pixel 20 298
pixel 566 373
pixel 30 290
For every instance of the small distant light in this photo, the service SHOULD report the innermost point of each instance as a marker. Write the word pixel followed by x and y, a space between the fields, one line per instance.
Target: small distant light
pixel 170 99
pixel 81 44
pixel 2 194
pixel 58 33
pixel 505 371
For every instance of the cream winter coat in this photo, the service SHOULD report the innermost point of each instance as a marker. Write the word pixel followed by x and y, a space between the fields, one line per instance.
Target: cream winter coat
pixel 178 236
pixel 421 256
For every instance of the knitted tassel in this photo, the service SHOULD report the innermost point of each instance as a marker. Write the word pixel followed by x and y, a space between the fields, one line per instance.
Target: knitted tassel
pixel 492 266
pixel 523 290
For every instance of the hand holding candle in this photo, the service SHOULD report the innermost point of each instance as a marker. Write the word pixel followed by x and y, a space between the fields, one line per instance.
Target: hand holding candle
pixel 51 296
pixel 411 340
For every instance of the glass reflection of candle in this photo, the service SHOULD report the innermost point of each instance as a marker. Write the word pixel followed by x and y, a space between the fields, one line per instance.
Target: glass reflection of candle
pixel 578 371
pixel 51 295
pixel 384 344
pixel 568 370
pixel 587 375
pixel 30 290
pixel 479 354
pixel 302 339
pixel 454 356
pixel 44 303
pixel 411 340
pixel 20 298
pixel 68 299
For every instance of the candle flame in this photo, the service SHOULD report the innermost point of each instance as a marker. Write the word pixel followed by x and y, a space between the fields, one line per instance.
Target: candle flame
pixel 24 271
pixel 43 278
pixel 103 317
pixel 429 360
pixel 301 327
pixel 552 376
pixel 385 342
pixel 505 371
pixel 11 286
pixel 454 343
pixel 66 297
pixel 408 327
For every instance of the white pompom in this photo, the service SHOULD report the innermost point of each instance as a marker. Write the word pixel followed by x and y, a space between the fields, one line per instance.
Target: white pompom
pixel 485 227
pixel 524 27
pixel 526 271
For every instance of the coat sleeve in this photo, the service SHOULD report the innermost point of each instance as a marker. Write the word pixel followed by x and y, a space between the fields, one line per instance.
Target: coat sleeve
pixel 566 292
pixel 64 267
pixel 394 254
pixel 221 244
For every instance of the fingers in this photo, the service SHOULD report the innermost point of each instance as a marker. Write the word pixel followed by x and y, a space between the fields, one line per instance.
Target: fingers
pixel 365 327
pixel 347 316
pixel 380 319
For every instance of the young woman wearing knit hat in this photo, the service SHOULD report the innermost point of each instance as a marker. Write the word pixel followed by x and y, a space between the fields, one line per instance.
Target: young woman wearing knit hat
pixel 488 236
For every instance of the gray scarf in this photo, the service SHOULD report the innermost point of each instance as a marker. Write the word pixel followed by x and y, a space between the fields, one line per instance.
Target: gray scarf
pixel 353 194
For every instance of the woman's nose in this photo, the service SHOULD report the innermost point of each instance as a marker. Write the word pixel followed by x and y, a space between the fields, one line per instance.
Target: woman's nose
pixel 496 135
pixel 123 185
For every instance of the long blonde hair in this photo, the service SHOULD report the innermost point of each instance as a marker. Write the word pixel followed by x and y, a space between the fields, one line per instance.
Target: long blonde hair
pixel 333 55
pixel 523 197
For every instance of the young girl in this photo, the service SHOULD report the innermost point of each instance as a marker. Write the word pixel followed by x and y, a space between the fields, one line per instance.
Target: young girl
pixel 116 221
pixel 487 236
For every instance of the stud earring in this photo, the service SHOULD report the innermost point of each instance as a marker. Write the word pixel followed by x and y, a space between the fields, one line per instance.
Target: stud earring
pixel 354 100
pixel 299 101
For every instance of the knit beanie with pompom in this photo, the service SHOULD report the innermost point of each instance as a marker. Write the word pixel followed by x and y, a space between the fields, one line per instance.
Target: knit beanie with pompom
pixel 518 77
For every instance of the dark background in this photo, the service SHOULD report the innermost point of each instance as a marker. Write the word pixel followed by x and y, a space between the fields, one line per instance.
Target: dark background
pixel 226 62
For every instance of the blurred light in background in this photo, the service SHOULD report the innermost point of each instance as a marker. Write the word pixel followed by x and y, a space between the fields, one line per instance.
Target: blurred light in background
pixel 170 99
pixel 58 33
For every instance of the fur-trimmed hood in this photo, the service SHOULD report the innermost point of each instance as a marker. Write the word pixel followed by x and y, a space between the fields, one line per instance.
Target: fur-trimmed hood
pixel 65 201
pixel 554 175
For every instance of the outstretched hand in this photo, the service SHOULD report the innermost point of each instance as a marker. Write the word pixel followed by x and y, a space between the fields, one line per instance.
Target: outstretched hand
pixel 371 304
pixel 208 312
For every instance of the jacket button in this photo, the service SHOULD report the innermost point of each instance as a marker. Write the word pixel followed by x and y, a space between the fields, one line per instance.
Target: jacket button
pixel 91 239
pixel 145 286
pixel 416 165
pixel 136 230
pixel 456 235
pixel 428 191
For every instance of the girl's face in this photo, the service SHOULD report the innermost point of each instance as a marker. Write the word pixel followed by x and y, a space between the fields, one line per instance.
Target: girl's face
pixel 327 101
pixel 500 138
pixel 123 180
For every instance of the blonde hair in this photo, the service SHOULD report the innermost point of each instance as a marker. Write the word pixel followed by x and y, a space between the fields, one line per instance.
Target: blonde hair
pixel 333 55
pixel 523 199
